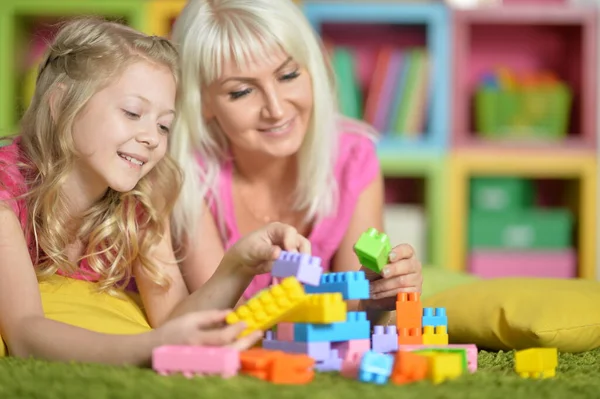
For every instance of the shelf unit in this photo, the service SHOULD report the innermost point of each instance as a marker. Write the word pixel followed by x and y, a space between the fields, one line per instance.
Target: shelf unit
pixel 18 16
pixel 467 164
pixel 558 38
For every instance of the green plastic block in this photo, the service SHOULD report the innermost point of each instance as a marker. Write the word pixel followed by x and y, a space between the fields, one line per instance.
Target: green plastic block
pixel 521 230
pixel 373 249
pixel 461 352
pixel 501 194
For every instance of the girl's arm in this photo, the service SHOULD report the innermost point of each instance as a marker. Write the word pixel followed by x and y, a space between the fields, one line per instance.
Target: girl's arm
pixel 220 288
pixel 28 333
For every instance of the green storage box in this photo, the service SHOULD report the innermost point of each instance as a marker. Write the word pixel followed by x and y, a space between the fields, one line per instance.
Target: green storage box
pixel 522 230
pixel 500 194
pixel 536 112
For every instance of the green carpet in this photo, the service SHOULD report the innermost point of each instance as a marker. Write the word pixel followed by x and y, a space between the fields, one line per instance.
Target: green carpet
pixel 578 376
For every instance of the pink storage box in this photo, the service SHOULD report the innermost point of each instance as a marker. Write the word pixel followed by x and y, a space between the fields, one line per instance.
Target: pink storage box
pixel 548 264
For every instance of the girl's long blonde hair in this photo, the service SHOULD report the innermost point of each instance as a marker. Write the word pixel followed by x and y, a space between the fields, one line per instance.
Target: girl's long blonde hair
pixel 210 33
pixel 121 228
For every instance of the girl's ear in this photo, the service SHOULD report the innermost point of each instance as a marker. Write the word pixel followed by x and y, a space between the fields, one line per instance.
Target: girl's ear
pixel 56 94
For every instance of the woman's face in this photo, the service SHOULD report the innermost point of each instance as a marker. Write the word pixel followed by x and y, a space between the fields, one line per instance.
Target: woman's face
pixel 265 108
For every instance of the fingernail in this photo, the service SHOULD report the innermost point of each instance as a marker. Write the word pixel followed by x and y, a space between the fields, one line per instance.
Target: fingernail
pixel 392 256
pixel 385 271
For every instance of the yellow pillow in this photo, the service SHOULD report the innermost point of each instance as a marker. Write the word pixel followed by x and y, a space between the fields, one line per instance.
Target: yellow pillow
pixel 517 313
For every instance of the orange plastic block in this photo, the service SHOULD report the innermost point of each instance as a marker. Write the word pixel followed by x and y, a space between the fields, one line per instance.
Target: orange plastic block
pixel 277 367
pixel 409 310
pixel 410 336
pixel 269 306
pixel 435 336
pixel 536 362
pixel 322 308
pixel 409 367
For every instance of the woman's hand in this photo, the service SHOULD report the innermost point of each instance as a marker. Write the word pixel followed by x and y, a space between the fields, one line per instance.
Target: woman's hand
pixel 401 274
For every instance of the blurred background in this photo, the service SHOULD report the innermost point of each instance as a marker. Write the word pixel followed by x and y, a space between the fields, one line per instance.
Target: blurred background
pixel 488 113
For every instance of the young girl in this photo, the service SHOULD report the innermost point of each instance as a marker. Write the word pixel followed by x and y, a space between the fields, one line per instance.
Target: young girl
pixel 85 196
pixel 260 140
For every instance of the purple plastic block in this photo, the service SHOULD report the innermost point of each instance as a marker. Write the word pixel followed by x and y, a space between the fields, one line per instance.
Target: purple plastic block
pixel 317 350
pixel 385 339
pixel 333 363
pixel 307 269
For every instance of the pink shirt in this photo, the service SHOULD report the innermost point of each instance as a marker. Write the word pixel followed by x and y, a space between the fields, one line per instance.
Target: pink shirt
pixel 357 165
pixel 12 185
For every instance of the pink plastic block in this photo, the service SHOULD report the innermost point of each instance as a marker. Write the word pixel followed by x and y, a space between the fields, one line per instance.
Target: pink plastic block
pixel 385 339
pixel 196 360
pixel 351 365
pixel 317 350
pixel 307 269
pixel 285 332
pixel 352 346
pixel 471 352
pixel 550 264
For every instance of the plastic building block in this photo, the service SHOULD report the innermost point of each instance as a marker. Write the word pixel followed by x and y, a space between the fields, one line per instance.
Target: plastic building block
pixel 410 336
pixel 355 327
pixel 536 362
pixel 269 306
pixel 461 352
pixel 285 332
pixel 352 285
pixel 196 360
pixel 385 339
pixel 375 367
pixel 409 310
pixel 471 350
pixel 409 367
pixel 351 365
pixel 435 335
pixel 316 350
pixel 319 308
pixel 307 269
pixel 443 366
pixel 434 317
pixel 332 363
pixel 346 348
pixel 373 249
pixel 277 367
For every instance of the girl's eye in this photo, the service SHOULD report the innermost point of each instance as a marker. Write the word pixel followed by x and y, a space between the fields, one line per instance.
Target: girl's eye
pixel 234 95
pixel 164 129
pixel 131 115
pixel 291 75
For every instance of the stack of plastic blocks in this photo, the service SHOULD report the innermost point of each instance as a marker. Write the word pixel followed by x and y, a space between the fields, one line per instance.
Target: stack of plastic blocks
pixel 321 327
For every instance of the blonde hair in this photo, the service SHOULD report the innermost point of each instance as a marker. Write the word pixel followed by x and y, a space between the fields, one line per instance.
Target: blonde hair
pixel 85 56
pixel 210 33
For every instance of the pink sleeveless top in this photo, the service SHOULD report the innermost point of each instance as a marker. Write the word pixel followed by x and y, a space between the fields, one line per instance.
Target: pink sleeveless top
pixel 13 185
pixel 357 165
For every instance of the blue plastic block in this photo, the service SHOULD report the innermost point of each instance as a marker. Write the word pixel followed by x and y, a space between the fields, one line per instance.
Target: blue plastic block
pixel 434 317
pixel 375 367
pixel 352 285
pixel 356 326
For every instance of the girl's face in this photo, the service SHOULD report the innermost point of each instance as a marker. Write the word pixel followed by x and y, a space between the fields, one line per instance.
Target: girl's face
pixel 265 108
pixel 122 132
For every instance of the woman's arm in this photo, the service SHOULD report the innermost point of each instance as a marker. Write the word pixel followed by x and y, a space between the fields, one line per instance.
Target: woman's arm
pixel 28 333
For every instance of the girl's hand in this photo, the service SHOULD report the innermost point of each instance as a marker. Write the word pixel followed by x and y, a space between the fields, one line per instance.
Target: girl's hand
pixel 256 252
pixel 402 274
pixel 205 328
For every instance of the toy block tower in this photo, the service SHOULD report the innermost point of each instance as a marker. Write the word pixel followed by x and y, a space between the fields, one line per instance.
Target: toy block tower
pixel 435 326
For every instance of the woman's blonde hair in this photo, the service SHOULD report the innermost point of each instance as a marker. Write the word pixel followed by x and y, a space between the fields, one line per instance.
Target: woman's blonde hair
pixel 86 55
pixel 211 33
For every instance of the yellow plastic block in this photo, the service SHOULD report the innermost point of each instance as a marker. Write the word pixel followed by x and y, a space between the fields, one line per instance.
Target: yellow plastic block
pixel 268 307
pixel 319 308
pixel 443 366
pixel 536 362
pixel 439 336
